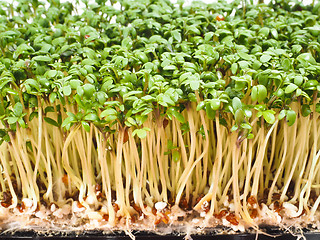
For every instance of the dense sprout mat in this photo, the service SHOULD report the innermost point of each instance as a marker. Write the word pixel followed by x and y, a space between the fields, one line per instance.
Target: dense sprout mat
pixel 154 116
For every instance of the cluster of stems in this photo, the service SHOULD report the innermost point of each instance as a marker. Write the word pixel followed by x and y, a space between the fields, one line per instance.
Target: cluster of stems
pixel 45 163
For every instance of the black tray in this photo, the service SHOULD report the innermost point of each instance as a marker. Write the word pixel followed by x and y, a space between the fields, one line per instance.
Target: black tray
pixel 276 235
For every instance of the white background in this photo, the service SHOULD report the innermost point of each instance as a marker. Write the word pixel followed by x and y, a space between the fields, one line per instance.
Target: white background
pixel 187 2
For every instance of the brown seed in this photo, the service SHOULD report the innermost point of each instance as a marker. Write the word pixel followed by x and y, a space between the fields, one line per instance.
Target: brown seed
pixel 276 196
pixel 254 213
pixel 154 211
pixel 99 195
pixel 277 206
pixel 125 136
pixel 205 207
pixel 184 203
pixel 115 207
pixel 167 211
pixel 252 200
pixel 171 201
pixel 221 214
pixel 199 198
pixel 21 207
pixel 65 179
pixel 157 221
pixel 165 219
pixel 263 200
pixel 232 219
pixel 138 209
pixel 7 197
pixel 105 217
pixel 165 123
pixel 98 187
pixel 134 218
pixel 220 17
pixel 5 205
pixel 79 205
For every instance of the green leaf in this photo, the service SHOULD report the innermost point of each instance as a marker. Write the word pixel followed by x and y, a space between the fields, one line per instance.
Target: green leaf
pixel 215 104
pixel 68 122
pixel 164 100
pixel 298 80
pixel 143 57
pixel 176 156
pixel 33 115
pixel 141 133
pixel 80 91
pixel 52 97
pixel 250 136
pixel 210 112
pixel 234 68
pixel 291 117
pixel 127 43
pixel 307 57
pixel 12 120
pixel 51 73
pixel 234 128
pixel 74 84
pixel 256 65
pixel 286 64
pixel 248 113
pixel 318 107
pixel 254 93
pixel 17 109
pixel 66 90
pixel 274 33
pixel 282 114
pixel 264 31
pixel 305 110
pixel 244 64
pixel 262 93
pixel 296 48
pixel 91 117
pixel 58 41
pixel 195 85
pixel 236 104
pixel 176 35
pixel 48 109
pixel 193 29
pixel 22 123
pixel 170 145
pixel 290 88
pixel 130 122
pixel 170 67
pixel 208 36
pixel 86 126
pixel 51 121
pixel 265 58
pixel 88 90
pixel 42 58
pixel 33 83
pixel 268 115
pixel 239 116
pixel 244 56
pixel 246 126
pixel 108 112
pixel 279 92
pixel 177 115
pixel 201 105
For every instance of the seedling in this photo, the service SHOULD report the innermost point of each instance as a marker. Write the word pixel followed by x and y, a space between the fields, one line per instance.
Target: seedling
pixel 109 113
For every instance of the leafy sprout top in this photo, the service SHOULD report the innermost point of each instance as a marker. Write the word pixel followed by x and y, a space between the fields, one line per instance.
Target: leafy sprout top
pixel 111 64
